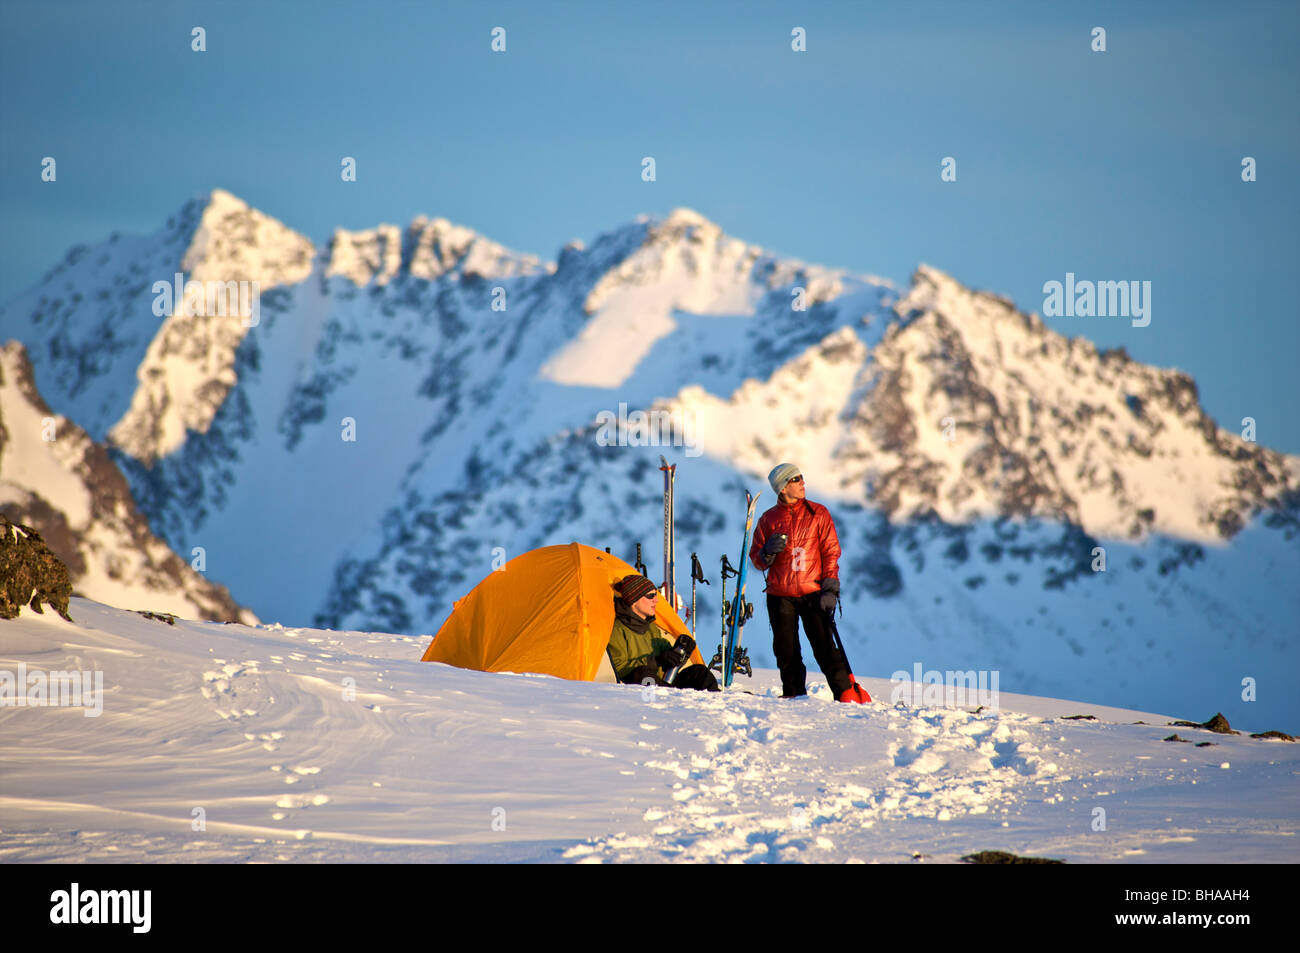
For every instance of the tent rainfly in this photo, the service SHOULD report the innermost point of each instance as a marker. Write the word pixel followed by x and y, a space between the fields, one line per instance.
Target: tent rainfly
pixel 549 611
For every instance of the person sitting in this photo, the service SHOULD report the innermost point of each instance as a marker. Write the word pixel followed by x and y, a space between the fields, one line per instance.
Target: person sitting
pixel 638 648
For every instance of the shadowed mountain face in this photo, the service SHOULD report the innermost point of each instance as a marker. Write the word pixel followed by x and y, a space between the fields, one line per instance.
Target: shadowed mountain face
pixel 414 404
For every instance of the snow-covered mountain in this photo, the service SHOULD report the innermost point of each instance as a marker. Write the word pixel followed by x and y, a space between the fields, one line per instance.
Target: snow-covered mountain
pixel 414 402
pixel 57 480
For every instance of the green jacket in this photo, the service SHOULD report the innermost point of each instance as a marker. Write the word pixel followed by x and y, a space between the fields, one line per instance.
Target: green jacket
pixel 629 649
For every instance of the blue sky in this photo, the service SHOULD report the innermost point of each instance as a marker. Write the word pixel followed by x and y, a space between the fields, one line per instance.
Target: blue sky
pixel 1117 165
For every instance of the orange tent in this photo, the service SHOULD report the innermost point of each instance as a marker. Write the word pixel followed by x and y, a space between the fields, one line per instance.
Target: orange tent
pixel 549 611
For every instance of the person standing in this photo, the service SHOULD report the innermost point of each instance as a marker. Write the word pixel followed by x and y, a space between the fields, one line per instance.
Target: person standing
pixel 795 544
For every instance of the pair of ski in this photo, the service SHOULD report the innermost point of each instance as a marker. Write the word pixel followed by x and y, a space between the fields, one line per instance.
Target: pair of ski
pixel 730 657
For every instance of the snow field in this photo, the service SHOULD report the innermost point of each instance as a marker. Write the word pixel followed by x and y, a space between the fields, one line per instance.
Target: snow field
pixel 312 745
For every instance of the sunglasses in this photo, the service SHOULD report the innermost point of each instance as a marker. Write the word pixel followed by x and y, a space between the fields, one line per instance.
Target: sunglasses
pixel 796 479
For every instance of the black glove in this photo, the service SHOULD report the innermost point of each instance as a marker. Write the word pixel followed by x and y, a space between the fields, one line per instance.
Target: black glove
pixel 773 545
pixel 676 656
pixel 643 672
pixel 830 594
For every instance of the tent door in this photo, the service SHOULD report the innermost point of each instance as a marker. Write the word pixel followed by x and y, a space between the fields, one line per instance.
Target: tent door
pixel 606 671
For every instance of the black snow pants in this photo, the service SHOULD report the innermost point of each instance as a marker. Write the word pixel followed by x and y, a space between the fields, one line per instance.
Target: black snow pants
pixel 784 612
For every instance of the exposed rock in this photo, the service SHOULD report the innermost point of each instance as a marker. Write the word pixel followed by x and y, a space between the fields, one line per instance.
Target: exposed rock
pixel 160 616
pixel 1002 857
pixel 1217 724
pixel 30 574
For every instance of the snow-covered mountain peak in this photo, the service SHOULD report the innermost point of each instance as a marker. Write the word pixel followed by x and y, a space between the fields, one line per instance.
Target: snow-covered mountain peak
pixel 686 227
pixel 977 408
pixel 937 291
pixel 235 242
pixel 683 263
pixel 427 249
pixel 684 221
pixel 688 216
pixel 438 247
pixel 374 254
pixel 189 366
pixel 681 226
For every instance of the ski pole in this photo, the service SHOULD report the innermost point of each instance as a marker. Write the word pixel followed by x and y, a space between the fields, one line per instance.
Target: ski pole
pixel 697 574
pixel 670 557
pixel 727 570
pixel 839 643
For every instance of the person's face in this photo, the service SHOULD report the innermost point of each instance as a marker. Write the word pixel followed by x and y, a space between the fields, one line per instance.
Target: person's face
pixel 793 491
pixel 645 606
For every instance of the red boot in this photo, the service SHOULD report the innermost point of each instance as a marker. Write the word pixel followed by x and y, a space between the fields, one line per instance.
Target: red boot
pixel 855 693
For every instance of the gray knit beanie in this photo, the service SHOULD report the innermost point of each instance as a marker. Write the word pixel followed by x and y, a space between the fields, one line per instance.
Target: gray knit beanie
pixel 781 475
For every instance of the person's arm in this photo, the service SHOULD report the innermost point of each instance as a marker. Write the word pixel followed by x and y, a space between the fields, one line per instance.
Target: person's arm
pixel 765 551
pixel 620 654
pixel 617 650
pixel 830 553
pixel 830 549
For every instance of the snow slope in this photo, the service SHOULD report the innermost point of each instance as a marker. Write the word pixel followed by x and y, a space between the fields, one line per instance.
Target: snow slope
pixel 425 762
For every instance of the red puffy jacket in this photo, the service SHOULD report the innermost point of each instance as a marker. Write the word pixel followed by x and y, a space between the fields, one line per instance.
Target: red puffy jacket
pixel 811 554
